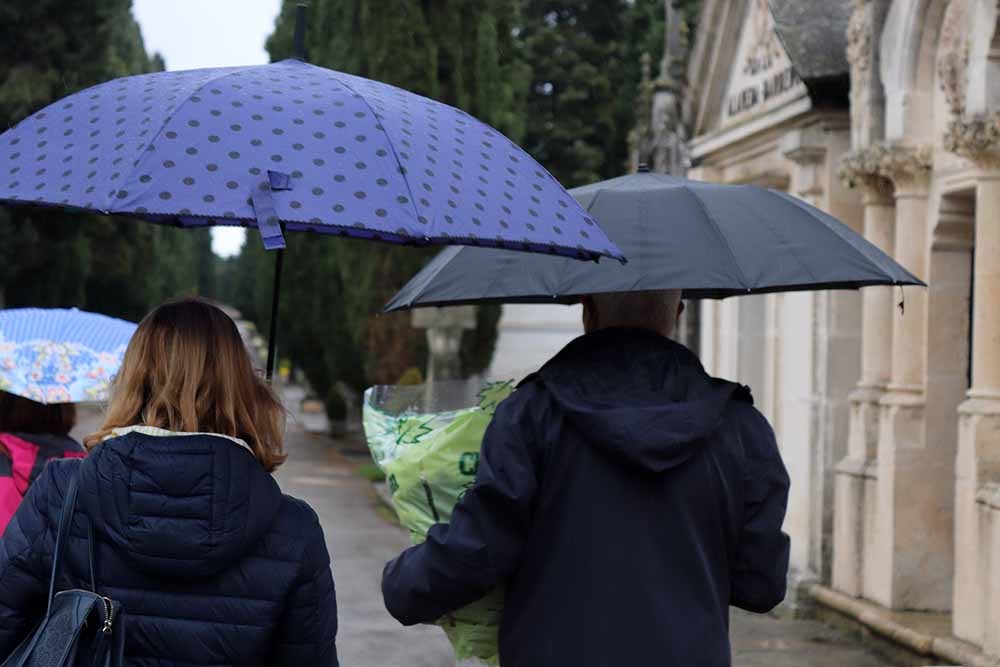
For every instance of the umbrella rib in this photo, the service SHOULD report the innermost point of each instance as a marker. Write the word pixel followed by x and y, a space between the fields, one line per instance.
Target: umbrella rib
pixel 163 125
pixel 392 146
pixel 878 261
pixel 791 251
pixel 718 231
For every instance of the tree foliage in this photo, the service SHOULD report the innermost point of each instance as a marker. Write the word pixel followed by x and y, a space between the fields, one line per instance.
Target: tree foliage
pixel 49 49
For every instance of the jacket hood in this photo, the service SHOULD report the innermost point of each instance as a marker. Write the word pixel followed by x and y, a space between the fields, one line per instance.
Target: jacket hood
pixel 639 396
pixel 177 505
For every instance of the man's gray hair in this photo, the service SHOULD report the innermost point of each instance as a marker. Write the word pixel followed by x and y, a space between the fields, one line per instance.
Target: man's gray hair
pixel 651 309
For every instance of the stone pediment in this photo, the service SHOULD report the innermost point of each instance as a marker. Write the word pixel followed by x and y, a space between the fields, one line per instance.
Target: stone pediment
pixel 740 77
pixel 761 75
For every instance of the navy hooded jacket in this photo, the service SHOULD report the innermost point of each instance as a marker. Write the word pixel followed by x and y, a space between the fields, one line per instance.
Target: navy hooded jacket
pixel 213 565
pixel 626 499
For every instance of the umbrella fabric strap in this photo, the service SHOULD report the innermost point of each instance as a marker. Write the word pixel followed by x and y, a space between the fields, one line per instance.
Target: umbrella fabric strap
pixel 268 222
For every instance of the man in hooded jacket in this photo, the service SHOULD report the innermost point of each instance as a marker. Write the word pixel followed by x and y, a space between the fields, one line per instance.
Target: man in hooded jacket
pixel 625 499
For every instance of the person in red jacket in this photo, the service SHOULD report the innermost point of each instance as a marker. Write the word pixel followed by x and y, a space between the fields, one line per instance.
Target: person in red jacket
pixel 31 434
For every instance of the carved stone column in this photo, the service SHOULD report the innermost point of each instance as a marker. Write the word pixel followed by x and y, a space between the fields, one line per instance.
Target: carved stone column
pixel 815 358
pixel 795 400
pixel 867 96
pixel 906 468
pixel 855 503
pixel 856 473
pixel 977 515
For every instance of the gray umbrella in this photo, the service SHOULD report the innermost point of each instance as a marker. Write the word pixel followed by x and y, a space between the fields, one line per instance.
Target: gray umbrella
pixel 709 239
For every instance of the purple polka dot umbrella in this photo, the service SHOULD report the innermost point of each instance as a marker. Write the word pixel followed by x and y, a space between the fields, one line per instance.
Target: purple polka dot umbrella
pixel 297 144
pixel 292 146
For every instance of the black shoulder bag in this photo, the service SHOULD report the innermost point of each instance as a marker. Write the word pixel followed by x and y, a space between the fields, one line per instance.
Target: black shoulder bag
pixel 80 628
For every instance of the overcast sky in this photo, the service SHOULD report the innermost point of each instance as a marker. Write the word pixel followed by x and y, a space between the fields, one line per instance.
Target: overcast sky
pixel 208 33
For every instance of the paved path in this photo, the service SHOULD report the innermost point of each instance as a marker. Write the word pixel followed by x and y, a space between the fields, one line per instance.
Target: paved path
pixel 360 542
pixel 764 641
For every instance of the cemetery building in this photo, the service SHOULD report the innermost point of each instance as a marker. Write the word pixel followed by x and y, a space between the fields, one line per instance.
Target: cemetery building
pixel 886 114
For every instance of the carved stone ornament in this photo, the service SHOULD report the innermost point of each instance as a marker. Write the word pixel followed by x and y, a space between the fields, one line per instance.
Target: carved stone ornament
pixel 953 56
pixel 900 162
pixel 977 139
pixel 891 160
pixel 858 167
pixel 859 37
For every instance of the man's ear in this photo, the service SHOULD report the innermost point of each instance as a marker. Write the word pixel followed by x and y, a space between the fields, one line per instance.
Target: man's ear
pixel 680 308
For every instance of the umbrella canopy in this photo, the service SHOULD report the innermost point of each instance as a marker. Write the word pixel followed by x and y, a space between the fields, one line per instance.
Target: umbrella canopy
pixel 709 239
pixel 58 355
pixel 291 145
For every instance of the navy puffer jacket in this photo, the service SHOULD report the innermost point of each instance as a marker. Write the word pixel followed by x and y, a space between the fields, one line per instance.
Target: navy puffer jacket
pixel 214 566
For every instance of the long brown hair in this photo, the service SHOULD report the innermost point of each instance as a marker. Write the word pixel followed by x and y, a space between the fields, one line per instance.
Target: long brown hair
pixel 186 369
pixel 22 415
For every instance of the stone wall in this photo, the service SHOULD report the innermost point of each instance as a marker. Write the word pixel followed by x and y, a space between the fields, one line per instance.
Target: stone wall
pixel 915 513
pixel 886 403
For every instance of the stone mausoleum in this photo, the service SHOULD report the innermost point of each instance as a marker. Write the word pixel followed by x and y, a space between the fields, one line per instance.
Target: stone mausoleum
pixel 885 113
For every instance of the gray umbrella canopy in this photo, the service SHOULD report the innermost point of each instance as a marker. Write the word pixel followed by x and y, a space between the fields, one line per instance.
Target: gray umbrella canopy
pixel 709 239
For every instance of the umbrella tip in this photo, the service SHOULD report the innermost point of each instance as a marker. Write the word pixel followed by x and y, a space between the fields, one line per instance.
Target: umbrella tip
pixel 643 168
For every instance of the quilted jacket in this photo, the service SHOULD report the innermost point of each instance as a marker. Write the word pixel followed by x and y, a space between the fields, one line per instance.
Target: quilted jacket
pixel 214 566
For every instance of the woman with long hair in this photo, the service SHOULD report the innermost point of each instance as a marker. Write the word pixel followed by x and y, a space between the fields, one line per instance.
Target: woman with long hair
pixel 212 564
pixel 31 434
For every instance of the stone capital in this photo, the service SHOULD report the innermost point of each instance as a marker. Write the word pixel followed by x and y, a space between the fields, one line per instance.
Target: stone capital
pixel 977 139
pixel 908 167
pixel 861 168
pixel 857 166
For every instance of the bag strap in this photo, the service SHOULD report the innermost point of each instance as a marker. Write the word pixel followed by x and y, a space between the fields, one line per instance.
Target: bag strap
pixel 63 537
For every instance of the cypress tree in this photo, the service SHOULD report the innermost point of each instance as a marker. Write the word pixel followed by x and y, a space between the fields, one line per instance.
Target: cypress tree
pixel 49 49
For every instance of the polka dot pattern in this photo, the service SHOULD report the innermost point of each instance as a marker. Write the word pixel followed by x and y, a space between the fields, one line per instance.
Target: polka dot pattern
pixel 364 159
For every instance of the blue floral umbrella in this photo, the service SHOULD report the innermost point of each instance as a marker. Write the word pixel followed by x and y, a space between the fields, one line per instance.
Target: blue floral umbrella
pixel 58 355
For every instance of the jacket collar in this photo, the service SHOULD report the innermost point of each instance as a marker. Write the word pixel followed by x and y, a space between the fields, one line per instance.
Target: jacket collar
pixel 157 432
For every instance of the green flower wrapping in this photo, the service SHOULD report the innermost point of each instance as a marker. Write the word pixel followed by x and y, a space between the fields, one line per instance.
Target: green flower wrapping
pixel 430 457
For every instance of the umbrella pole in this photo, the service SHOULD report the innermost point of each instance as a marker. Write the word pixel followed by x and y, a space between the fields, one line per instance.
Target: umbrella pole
pixel 279 260
pixel 272 338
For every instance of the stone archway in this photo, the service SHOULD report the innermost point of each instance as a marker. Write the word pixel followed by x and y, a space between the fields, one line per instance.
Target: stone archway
pixel 908 66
